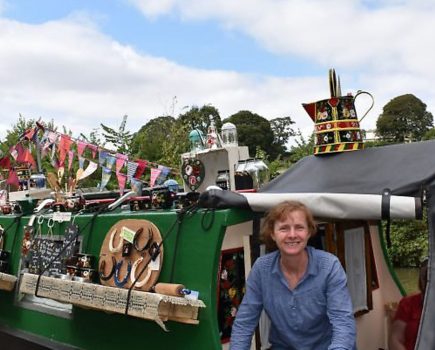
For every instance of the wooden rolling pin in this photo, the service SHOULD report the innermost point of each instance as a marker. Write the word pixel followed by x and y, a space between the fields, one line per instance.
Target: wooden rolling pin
pixel 173 289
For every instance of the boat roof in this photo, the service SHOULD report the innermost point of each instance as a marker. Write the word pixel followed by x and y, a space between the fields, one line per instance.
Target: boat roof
pixel 403 168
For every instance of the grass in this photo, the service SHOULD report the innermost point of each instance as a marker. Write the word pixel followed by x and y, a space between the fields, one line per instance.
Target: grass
pixel 408 278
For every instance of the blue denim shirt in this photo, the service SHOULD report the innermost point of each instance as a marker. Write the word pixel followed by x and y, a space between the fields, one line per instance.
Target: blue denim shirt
pixel 316 314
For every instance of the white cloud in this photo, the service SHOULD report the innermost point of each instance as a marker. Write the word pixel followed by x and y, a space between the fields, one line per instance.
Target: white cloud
pixel 338 32
pixel 383 46
pixel 69 71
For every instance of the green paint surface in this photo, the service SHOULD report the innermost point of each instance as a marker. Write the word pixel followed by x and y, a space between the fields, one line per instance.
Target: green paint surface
pixel 193 263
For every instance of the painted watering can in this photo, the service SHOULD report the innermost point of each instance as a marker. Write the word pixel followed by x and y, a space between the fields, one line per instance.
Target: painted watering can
pixel 336 126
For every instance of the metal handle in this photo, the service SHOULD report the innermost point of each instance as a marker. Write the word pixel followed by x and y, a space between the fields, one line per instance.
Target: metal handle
pixel 360 92
pixel 121 200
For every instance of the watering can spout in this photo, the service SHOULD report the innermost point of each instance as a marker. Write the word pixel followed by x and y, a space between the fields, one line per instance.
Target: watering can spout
pixel 310 108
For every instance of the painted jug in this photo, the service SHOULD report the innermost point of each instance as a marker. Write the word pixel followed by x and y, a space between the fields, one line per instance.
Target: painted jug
pixel 336 125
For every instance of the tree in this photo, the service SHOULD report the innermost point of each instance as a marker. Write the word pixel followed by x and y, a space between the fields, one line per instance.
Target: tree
pixel 429 135
pixel 409 242
pixel 404 118
pixel 173 147
pixel 200 118
pixel 148 141
pixel 94 138
pixel 282 131
pixel 254 131
pixel 13 135
pixel 121 139
pixel 304 147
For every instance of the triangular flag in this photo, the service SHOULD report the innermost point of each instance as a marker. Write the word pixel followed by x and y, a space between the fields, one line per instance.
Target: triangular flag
pixel 163 175
pixel 120 161
pixel 122 179
pixel 93 148
pixel 110 160
pixel 13 178
pixel 136 186
pixel 131 169
pixel 64 147
pixel 13 151
pixel 141 165
pixel 102 156
pixel 154 175
pixel 81 162
pixel 5 162
pixel 105 177
pixel 92 166
pixel 70 159
pixel 28 134
pixel 24 155
pixel 81 146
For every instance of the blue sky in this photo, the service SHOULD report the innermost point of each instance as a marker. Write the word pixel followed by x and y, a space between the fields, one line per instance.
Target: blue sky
pixel 82 63
pixel 201 43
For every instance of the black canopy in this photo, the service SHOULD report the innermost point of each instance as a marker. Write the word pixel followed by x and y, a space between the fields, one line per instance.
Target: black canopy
pixel 403 168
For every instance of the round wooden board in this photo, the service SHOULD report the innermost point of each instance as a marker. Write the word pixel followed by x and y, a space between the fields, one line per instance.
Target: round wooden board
pixel 106 254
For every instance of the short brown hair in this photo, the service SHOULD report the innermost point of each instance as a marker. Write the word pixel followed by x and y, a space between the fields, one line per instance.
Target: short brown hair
pixel 278 213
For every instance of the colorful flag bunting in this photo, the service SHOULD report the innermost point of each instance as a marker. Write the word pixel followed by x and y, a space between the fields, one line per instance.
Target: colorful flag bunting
pixel 154 175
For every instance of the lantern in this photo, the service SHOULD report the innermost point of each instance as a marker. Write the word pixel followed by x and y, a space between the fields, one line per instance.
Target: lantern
pixel 229 135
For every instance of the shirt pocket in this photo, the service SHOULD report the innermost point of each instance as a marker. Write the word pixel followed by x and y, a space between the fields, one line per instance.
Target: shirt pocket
pixel 312 305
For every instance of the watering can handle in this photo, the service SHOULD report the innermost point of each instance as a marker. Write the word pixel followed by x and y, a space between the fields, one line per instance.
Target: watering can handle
pixel 360 92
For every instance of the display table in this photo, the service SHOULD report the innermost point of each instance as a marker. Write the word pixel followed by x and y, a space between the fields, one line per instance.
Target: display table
pixel 150 306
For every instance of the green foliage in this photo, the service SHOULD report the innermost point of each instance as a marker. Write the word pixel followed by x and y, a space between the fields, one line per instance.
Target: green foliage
pixel 148 141
pixel 376 143
pixel 173 147
pixel 200 118
pixel 120 139
pixel 404 118
pixel 282 131
pixel 13 135
pixel 277 167
pixel 93 138
pixel 304 147
pixel 254 131
pixel 429 135
pixel 409 242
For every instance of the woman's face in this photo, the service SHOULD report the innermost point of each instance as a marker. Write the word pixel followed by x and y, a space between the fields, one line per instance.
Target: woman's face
pixel 291 234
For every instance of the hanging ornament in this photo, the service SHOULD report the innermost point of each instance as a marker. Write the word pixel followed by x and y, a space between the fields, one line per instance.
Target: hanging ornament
pixel 193 172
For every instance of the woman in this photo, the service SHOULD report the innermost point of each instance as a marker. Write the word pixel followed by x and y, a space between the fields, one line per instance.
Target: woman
pixel 303 290
pixel 404 329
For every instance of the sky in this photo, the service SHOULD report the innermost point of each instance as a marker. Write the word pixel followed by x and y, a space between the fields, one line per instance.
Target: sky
pixel 85 62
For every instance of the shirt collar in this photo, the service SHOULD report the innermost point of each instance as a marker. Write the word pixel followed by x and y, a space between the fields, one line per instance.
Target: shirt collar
pixel 312 265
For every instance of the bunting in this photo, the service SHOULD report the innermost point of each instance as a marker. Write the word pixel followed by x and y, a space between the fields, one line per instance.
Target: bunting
pixel 81 146
pixel 141 165
pixel 131 169
pixel 70 159
pixel 13 178
pixel 105 177
pixel 93 149
pixel 102 156
pixel 122 179
pixel 154 175
pixel 64 147
pixel 90 169
pixel 120 161
pixel 58 146
pixel 136 186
